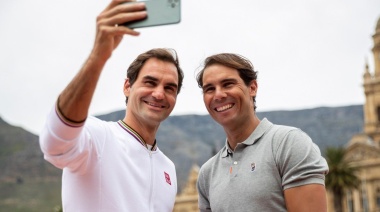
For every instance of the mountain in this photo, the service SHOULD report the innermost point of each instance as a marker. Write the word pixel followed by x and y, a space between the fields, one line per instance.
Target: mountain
pixel 20 155
pixel 29 183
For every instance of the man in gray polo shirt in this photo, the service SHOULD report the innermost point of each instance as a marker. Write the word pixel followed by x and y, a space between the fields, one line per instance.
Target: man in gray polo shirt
pixel 263 166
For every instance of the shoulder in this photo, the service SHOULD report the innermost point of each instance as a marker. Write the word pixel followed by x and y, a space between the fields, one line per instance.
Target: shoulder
pixel 282 133
pixel 283 130
pixel 276 132
pixel 287 138
pixel 97 129
pixel 94 122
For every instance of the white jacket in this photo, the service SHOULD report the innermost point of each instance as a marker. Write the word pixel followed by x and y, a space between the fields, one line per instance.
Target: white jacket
pixel 106 169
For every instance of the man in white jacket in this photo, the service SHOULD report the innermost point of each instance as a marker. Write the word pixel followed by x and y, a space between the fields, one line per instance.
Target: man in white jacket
pixel 115 166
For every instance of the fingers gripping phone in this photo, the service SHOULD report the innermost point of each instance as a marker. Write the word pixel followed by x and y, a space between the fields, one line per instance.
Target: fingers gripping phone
pixel 160 12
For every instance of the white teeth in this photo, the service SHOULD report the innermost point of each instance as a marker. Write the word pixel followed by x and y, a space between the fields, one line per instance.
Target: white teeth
pixel 223 108
pixel 151 104
pixel 154 105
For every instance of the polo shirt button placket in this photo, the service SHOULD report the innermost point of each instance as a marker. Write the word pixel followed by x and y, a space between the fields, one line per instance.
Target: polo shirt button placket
pixel 233 169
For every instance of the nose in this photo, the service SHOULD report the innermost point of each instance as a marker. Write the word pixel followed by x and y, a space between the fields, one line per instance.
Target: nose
pixel 219 94
pixel 158 93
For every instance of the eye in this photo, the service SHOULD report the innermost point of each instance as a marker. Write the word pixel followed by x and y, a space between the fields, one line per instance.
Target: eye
pixel 228 84
pixel 171 89
pixel 208 89
pixel 150 83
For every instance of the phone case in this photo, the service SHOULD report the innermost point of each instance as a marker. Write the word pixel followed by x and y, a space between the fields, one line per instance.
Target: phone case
pixel 160 12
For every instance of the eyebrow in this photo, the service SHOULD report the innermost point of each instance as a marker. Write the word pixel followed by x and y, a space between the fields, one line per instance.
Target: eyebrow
pixel 150 78
pixel 223 81
pixel 171 84
pixel 229 80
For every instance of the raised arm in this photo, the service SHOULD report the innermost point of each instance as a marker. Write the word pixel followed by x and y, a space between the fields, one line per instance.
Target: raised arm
pixel 74 101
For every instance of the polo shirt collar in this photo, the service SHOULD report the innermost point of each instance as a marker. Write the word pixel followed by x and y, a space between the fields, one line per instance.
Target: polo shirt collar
pixel 260 130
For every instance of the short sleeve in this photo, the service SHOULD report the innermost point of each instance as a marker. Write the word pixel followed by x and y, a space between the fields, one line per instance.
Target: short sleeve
pixel 299 160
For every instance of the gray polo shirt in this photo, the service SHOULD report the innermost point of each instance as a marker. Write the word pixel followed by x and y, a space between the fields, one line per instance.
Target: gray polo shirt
pixel 254 176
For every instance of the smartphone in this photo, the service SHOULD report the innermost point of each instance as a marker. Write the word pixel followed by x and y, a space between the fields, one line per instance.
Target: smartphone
pixel 160 12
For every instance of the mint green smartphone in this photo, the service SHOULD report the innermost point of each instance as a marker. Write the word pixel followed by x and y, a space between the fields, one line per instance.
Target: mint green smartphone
pixel 160 12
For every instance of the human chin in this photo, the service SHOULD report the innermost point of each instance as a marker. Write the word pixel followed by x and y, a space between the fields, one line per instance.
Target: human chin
pixel 154 117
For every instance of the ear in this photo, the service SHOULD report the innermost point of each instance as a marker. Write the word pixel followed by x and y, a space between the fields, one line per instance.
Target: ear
pixel 127 87
pixel 253 88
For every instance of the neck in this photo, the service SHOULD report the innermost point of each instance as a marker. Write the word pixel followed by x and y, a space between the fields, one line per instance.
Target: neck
pixel 147 132
pixel 238 134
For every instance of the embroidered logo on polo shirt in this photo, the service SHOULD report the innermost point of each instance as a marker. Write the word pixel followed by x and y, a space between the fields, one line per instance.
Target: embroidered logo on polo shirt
pixel 167 178
pixel 253 167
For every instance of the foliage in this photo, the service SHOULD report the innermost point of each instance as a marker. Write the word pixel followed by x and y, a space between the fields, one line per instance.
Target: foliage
pixel 341 175
pixel 58 208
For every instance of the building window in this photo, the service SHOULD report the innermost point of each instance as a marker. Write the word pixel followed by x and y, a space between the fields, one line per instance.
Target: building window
pixel 350 202
pixel 378 198
pixel 364 198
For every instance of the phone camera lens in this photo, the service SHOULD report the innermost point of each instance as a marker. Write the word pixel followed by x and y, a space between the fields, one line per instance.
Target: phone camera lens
pixel 172 3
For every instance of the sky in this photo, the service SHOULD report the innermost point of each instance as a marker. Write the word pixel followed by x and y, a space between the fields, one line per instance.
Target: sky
pixel 308 54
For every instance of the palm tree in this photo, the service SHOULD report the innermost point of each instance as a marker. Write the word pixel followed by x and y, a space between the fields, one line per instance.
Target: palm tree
pixel 340 177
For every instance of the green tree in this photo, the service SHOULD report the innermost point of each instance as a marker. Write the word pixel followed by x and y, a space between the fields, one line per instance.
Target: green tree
pixel 341 176
pixel 58 208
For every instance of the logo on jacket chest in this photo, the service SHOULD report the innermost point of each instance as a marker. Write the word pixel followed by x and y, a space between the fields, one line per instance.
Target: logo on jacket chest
pixel 167 178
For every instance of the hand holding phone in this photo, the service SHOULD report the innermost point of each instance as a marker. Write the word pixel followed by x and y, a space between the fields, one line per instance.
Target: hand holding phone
pixel 160 12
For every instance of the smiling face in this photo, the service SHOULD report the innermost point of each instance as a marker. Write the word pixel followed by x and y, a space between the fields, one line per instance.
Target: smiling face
pixel 227 98
pixel 153 95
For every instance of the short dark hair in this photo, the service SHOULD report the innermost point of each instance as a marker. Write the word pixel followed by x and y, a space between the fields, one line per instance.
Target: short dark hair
pixel 235 61
pixel 164 54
